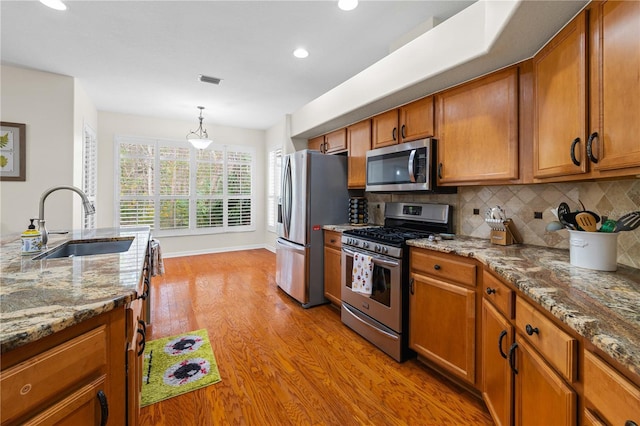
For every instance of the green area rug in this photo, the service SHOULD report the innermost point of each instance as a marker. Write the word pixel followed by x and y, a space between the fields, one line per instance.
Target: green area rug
pixel 176 365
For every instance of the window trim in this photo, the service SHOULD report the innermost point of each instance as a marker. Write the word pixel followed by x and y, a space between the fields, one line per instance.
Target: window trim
pixel 192 230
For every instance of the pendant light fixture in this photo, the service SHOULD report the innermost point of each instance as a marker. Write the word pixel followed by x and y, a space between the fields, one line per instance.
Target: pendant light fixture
pixel 199 139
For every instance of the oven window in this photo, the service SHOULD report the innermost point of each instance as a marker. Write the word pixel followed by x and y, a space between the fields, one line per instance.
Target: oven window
pixel 381 283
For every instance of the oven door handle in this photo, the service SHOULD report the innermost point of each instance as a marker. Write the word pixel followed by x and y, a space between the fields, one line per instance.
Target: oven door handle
pixel 384 333
pixel 376 259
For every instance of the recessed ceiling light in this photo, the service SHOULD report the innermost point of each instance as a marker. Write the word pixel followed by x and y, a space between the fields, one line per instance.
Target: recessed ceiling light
pixel 347 4
pixel 54 4
pixel 300 53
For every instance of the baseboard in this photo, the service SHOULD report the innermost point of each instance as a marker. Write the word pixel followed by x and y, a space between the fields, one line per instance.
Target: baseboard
pixel 218 250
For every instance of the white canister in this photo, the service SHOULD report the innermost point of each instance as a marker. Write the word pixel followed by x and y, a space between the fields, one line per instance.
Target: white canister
pixel 594 250
pixel 31 240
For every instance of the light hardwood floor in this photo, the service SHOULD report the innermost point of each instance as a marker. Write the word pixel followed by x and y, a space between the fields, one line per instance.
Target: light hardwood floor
pixel 284 365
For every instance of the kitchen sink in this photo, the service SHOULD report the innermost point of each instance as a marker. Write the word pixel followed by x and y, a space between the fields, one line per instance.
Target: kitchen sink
pixel 88 247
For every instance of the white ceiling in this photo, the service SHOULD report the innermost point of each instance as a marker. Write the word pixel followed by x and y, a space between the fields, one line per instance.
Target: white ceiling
pixel 144 57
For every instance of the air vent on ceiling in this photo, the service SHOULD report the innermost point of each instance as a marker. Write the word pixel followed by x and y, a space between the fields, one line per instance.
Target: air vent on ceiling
pixel 207 79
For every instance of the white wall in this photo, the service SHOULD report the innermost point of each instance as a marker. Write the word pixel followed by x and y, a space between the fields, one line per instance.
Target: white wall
pixel 45 103
pixel 112 124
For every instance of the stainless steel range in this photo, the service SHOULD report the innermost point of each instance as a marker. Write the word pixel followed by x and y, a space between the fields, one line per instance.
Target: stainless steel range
pixel 381 314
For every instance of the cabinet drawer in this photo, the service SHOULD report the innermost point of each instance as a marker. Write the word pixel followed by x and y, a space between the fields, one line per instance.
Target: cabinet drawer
pixel 498 293
pixel 448 267
pixel 556 346
pixel 615 398
pixel 53 373
pixel 333 239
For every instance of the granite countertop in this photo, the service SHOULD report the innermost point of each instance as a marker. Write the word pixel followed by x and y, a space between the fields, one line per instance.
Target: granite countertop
pixel 40 297
pixel 603 307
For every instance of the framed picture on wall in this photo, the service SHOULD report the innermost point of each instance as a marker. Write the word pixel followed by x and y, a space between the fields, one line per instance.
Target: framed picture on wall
pixel 13 151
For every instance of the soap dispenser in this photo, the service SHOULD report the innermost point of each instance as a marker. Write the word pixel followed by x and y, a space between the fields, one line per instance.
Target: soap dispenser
pixel 31 240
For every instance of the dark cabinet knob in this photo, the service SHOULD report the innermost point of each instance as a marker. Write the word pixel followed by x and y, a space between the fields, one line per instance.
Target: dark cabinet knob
pixel 436 267
pixel 491 290
pixel 630 423
pixel 531 330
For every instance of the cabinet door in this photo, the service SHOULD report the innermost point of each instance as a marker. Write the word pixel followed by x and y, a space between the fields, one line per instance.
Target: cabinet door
pixel 332 258
pixel 335 141
pixel 316 143
pixel 497 379
pixel 478 130
pixel 615 85
pixel 541 396
pixel 359 142
pixel 560 106
pixel 416 120
pixel 442 324
pixel 384 129
pixel 86 406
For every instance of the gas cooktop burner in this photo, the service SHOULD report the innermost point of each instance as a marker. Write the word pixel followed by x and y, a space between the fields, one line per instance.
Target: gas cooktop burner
pixel 388 235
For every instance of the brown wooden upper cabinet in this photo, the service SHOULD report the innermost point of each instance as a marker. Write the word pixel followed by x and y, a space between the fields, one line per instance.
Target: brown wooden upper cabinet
pixel 330 143
pixel 384 129
pixel 588 127
pixel 478 130
pixel 316 143
pixel 359 142
pixel 615 87
pixel 407 123
pixel 560 105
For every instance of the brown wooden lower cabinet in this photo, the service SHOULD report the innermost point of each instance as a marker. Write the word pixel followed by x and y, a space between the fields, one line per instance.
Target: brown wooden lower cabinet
pixel 73 377
pixel 541 396
pixel 332 271
pixel 497 378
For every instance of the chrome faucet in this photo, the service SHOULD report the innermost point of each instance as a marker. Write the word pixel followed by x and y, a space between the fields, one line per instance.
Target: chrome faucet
pixel 88 208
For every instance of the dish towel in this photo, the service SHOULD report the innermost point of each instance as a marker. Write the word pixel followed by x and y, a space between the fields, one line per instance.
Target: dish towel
pixel 157 265
pixel 362 276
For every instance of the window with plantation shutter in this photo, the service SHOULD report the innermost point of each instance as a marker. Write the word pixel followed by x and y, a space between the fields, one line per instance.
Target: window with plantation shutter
pixel 89 173
pixel 273 187
pixel 179 190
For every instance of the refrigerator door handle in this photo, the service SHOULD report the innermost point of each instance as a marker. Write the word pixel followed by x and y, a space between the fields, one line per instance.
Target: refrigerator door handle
pixel 286 198
pixel 289 245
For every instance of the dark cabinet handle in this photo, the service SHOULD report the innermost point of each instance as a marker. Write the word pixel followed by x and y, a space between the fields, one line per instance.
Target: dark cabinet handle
pixel 575 142
pixel 512 358
pixel 411 286
pixel 104 407
pixel 436 267
pixel 393 133
pixel 592 136
pixel 402 134
pixel 440 171
pixel 503 334
pixel 630 423
pixel 530 330
pixel 491 290
pixel 143 342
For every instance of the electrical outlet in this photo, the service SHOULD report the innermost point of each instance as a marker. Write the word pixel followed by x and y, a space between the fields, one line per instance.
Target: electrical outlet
pixel 476 211
pixel 537 215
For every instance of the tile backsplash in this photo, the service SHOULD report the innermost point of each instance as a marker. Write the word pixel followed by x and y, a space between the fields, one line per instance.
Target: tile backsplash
pixel 521 202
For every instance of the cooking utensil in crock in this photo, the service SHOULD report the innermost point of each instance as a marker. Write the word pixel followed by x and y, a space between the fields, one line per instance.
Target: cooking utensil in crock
pixel 563 210
pixel 586 222
pixel 628 222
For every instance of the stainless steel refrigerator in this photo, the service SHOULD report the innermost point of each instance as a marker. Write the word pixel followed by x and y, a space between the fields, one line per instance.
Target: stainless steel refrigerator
pixel 314 193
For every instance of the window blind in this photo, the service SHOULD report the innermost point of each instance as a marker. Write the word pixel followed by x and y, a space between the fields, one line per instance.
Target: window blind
pixel 89 173
pixel 177 189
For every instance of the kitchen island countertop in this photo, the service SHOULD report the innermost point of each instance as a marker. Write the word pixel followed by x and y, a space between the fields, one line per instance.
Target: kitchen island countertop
pixel 603 307
pixel 41 297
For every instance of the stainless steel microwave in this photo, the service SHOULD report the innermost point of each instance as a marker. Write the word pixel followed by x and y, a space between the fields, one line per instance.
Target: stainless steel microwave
pixel 409 166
